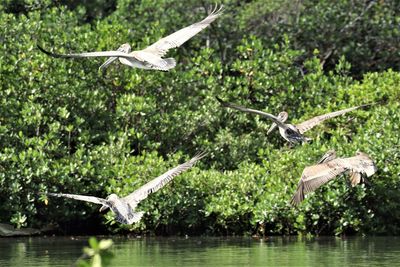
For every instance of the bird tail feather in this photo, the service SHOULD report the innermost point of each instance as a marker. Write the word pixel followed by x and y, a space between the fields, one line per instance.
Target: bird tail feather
pixel 171 63
pixel 370 170
pixel 137 216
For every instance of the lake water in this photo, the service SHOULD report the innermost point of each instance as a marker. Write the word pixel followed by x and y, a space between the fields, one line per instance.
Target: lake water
pixel 204 252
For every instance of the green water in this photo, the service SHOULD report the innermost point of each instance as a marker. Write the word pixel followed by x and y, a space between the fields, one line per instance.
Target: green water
pixel 204 252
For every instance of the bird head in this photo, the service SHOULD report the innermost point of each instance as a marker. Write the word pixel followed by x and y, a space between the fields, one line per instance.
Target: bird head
pixel 282 116
pixel 126 48
pixel 111 198
pixel 328 156
pixel 359 153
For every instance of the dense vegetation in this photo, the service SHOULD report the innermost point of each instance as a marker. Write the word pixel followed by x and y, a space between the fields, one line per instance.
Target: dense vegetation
pixel 65 127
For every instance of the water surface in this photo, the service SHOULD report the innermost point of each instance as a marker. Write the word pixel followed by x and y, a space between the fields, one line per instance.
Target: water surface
pixel 204 252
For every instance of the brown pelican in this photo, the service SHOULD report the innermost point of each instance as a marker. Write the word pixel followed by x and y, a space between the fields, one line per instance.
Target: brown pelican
pixel 152 56
pixel 328 168
pixel 290 132
pixel 124 207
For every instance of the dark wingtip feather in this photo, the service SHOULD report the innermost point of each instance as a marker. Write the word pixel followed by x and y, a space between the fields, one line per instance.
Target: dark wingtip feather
pixel 367 105
pixel 219 99
pixel 45 51
pixel 295 201
pixel 298 196
pixel 222 102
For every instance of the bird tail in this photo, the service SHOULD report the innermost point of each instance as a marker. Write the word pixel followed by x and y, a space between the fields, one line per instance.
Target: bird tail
pixel 355 178
pixel 171 63
pixel 137 216
pixel 371 169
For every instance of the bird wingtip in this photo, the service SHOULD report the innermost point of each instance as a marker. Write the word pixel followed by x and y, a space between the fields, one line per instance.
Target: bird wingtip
pixel 200 155
pixel 41 49
pixel 47 52
pixel 222 102
pixel 215 10
pixel 294 201
pixel 367 105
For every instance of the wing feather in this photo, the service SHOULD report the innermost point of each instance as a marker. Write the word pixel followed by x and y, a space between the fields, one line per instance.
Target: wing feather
pixel 254 111
pixel 362 164
pixel 154 60
pixel 161 180
pixel 314 177
pixel 317 175
pixel 178 38
pixel 311 123
pixel 89 54
pixel 96 200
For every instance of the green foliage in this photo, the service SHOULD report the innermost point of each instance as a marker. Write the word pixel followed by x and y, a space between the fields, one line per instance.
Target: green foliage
pixel 97 255
pixel 365 32
pixel 65 127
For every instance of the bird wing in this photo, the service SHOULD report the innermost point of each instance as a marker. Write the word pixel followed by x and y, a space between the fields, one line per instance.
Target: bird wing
pixel 362 164
pixel 89 54
pixel 154 60
pixel 176 39
pixel 311 123
pixel 254 111
pixel 315 176
pixel 96 200
pixel 157 183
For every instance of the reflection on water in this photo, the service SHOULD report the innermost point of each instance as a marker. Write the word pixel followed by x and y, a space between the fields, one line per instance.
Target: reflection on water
pixel 276 251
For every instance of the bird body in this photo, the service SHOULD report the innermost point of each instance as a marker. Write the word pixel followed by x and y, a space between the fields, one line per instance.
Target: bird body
pixel 330 167
pixel 124 208
pixel 124 211
pixel 292 134
pixel 152 56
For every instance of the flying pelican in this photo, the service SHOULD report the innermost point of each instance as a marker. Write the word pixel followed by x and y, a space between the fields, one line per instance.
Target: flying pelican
pixel 328 168
pixel 152 56
pixel 290 132
pixel 124 207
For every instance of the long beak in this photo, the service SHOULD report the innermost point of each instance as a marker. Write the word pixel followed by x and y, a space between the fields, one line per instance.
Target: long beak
pixel 273 126
pixel 322 160
pixel 103 208
pixel 107 62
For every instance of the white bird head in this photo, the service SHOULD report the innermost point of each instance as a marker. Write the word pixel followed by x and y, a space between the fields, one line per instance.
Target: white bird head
pixel 282 116
pixel 112 199
pixel 126 48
